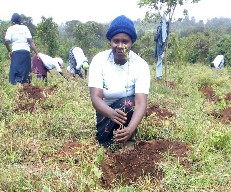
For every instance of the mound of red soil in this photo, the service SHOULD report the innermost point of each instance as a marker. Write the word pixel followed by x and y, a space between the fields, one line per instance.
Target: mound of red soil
pixel 162 113
pixel 226 115
pixel 223 115
pixel 228 97
pixel 128 166
pixel 209 93
pixel 29 96
pixel 171 84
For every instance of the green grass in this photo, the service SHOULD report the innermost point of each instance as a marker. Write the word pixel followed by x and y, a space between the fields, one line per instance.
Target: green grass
pixel 28 141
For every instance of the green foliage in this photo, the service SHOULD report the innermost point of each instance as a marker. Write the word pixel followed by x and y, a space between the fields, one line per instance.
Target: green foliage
pixel 175 50
pixel 48 36
pixel 145 47
pixel 3 27
pixel 3 57
pixel 224 48
pixel 167 7
pixel 221 141
pixel 196 47
pixel 90 37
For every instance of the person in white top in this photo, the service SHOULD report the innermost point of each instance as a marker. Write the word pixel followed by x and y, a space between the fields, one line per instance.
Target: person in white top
pixel 44 64
pixel 119 82
pixel 21 39
pixel 77 60
pixel 218 62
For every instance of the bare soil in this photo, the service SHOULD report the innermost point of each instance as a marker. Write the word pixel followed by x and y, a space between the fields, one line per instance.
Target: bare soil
pixel 128 166
pixel 29 97
pixel 223 115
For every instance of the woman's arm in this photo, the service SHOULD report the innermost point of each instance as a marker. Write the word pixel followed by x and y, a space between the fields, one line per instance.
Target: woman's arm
pixel 32 45
pixel 123 135
pixel 139 111
pixel 7 44
pixel 101 107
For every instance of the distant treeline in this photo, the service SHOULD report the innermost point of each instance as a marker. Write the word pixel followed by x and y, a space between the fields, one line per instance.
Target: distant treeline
pixel 189 41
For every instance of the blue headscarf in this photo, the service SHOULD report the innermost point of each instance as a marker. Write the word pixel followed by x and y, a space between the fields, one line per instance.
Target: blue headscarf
pixel 16 18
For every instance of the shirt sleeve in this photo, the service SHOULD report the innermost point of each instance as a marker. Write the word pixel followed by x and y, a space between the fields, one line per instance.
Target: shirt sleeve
pixel 142 84
pixel 58 68
pixel 95 77
pixel 28 33
pixel 8 34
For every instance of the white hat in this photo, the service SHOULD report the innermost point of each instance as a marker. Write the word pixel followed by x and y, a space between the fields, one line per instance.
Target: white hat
pixel 59 60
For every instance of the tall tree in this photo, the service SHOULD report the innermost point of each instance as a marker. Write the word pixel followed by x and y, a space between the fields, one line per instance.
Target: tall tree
pixel 90 37
pixel 159 8
pixel 47 33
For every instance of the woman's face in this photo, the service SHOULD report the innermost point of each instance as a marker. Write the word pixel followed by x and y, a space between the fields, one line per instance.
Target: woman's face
pixel 121 44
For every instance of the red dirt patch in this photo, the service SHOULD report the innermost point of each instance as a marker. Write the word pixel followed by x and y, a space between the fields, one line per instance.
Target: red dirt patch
pixel 226 115
pixel 209 93
pixel 223 115
pixel 162 113
pixel 29 96
pixel 129 165
pixel 170 84
pixel 228 97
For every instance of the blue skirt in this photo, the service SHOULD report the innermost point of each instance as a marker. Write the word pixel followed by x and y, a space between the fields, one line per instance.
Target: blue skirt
pixel 106 126
pixel 20 67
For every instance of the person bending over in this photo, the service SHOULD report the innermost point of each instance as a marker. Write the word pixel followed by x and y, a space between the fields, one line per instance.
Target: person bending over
pixel 77 61
pixel 42 65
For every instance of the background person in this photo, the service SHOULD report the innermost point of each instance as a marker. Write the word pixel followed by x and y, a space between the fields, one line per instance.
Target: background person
pixel 77 60
pixel 119 82
pixel 44 64
pixel 218 62
pixel 20 37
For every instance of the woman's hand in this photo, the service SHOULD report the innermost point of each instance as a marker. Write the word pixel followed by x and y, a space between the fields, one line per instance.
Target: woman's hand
pixel 123 135
pixel 10 54
pixel 118 116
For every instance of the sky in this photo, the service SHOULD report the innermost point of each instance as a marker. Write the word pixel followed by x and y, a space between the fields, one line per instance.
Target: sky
pixel 102 11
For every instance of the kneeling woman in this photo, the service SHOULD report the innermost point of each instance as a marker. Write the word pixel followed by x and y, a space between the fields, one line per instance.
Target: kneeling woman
pixel 119 82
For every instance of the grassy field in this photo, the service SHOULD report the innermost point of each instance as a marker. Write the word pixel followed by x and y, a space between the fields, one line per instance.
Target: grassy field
pixel 32 143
